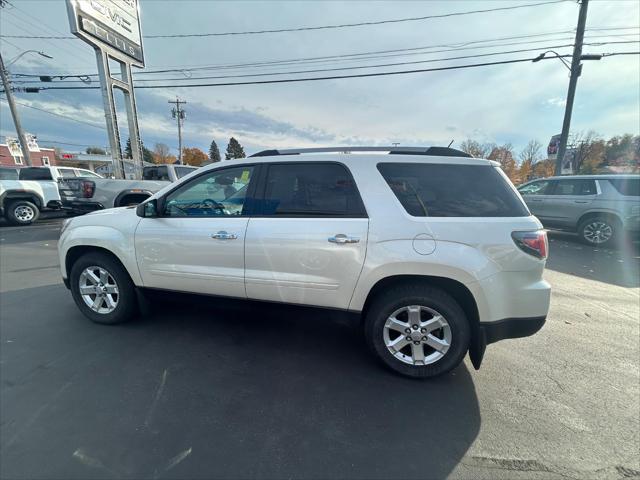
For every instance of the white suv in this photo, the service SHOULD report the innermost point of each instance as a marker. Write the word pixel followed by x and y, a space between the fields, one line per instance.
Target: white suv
pixel 435 250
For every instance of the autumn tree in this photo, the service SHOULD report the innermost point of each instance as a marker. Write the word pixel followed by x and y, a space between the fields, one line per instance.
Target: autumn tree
pixel 214 152
pixel 476 149
pixel 503 154
pixel 529 156
pixel 193 156
pixel 234 150
pixel 161 154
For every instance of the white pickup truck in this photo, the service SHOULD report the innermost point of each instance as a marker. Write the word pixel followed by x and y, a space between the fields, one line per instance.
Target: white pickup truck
pixel 21 201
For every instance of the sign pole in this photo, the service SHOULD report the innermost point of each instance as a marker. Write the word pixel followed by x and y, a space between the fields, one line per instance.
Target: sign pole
pixel 132 118
pixel 576 70
pixel 14 113
pixel 106 88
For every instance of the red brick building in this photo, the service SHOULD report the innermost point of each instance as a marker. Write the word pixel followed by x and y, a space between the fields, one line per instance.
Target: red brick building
pixel 46 156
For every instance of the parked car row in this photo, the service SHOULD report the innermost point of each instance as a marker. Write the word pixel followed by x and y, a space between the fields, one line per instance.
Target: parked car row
pixel 77 190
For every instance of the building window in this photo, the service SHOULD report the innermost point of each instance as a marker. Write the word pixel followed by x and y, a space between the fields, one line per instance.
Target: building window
pixel 45 161
pixel 18 160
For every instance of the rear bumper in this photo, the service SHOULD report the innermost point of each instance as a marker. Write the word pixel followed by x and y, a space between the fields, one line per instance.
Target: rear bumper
pixel 491 332
pixel 81 207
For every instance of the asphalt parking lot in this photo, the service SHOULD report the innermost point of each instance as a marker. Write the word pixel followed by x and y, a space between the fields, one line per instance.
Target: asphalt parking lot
pixel 202 389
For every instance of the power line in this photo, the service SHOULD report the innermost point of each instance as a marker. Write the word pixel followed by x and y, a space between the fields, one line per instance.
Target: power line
pixel 321 27
pixel 59 115
pixel 311 79
pixel 357 67
pixel 341 68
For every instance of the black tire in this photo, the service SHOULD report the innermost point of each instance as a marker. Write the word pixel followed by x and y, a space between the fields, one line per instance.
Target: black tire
pixel 425 296
pixel 126 306
pixel 587 234
pixel 16 210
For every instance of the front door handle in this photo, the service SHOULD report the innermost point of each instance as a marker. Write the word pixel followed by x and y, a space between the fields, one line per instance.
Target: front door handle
pixel 535 199
pixel 222 235
pixel 342 238
pixel 581 201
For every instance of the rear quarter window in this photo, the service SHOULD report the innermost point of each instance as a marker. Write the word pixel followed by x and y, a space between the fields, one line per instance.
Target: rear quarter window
pixel 626 186
pixel 436 190
pixel 35 174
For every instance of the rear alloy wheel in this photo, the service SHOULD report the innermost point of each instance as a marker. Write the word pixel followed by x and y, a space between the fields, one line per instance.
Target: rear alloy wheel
pixel 417 335
pixel 598 231
pixel 22 212
pixel 417 330
pixel 102 288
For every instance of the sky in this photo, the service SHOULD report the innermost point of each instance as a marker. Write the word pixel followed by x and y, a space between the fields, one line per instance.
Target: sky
pixel 510 103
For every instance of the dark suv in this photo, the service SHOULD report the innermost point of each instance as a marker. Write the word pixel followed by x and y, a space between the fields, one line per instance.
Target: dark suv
pixel 598 207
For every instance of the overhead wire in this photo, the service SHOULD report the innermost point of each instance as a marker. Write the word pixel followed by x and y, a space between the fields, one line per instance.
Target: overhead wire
pixel 323 27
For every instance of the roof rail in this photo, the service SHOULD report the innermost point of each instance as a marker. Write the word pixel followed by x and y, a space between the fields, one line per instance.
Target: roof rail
pixel 435 151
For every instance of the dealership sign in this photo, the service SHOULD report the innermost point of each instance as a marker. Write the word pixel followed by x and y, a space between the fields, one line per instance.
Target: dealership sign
pixel 554 145
pixel 112 25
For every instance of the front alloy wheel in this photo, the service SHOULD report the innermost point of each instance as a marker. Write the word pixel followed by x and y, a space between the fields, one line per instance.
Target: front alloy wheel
pixel 102 288
pixel 99 289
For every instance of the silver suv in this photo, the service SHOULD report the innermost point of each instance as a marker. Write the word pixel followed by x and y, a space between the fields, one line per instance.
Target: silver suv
pixel 599 208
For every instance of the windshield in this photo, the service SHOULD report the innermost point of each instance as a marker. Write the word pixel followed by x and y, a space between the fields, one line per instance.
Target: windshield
pixel 182 171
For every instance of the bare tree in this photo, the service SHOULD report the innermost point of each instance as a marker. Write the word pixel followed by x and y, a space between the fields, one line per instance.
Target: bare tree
pixel 588 151
pixel 529 156
pixel 476 149
pixel 161 153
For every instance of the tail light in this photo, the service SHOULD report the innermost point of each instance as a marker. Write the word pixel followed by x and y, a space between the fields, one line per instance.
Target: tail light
pixel 88 187
pixel 533 243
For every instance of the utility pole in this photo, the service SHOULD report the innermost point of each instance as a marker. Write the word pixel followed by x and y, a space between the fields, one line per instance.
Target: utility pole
pixel 576 70
pixel 14 112
pixel 178 114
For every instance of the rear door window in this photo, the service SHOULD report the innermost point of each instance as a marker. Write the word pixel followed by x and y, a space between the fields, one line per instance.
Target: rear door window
pixel 574 187
pixel 626 186
pixel 311 190
pixel 435 190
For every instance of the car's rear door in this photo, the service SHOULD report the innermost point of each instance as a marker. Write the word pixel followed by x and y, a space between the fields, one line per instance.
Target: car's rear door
pixel 568 200
pixel 197 244
pixel 307 241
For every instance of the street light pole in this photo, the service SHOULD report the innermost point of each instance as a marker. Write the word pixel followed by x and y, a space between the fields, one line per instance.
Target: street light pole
pixel 14 113
pixel 576 70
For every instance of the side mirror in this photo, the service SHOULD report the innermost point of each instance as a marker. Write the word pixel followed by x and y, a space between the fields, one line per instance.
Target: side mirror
pixel 148 209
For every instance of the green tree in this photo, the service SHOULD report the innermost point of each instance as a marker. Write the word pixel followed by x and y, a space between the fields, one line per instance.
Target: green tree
pixel 234 150
pixel 214 152
pixel 147 155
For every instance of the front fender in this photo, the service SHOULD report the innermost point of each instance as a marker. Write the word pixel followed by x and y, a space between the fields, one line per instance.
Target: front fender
pixel 108 238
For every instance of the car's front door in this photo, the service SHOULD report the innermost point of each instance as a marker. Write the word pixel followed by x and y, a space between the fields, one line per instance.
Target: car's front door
pixel 535 196
pixel 197 242
pixel 307 242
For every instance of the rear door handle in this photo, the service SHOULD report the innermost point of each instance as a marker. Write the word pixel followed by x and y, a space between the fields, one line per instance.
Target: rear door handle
pixel 535 199
pixel 342 238
pixel 580 201
pixel 222 235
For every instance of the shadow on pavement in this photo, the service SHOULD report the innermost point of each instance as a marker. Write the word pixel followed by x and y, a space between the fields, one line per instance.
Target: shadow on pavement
pixel 619 266
pixel 211 389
